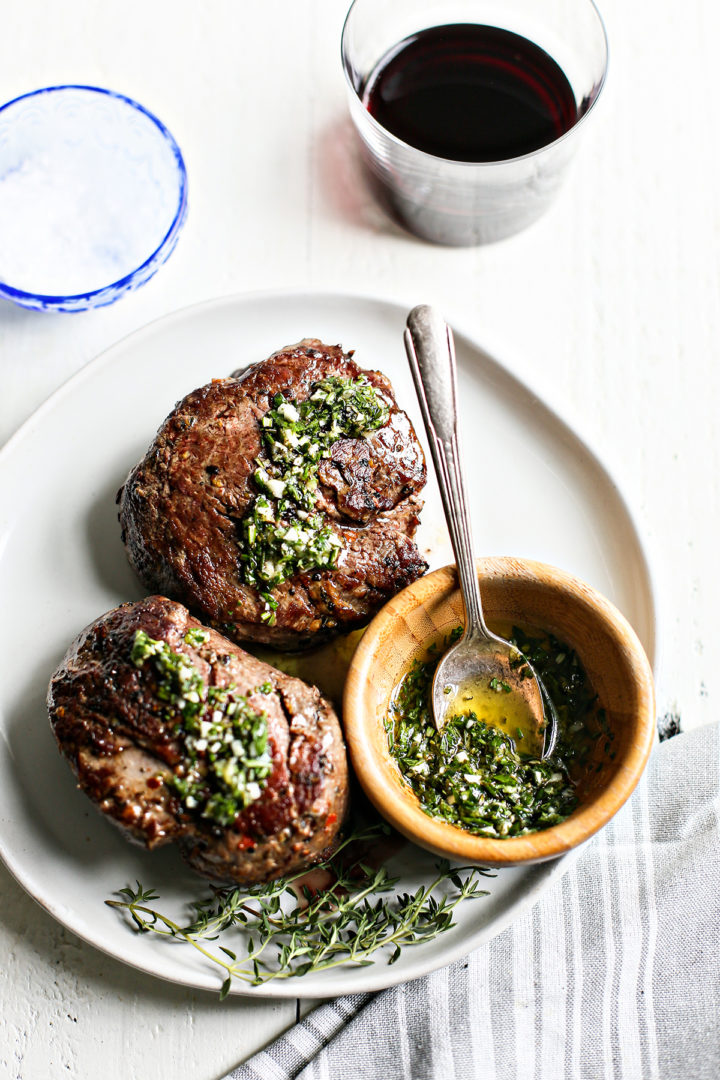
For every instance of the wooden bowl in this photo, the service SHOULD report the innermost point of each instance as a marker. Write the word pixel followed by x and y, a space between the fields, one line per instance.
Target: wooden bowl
pixel 529 594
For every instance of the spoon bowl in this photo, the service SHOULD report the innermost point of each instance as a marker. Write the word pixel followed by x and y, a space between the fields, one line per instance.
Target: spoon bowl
pixel 492 677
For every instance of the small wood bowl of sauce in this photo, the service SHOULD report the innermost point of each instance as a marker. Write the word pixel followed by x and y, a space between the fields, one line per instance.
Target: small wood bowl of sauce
pixel 603 749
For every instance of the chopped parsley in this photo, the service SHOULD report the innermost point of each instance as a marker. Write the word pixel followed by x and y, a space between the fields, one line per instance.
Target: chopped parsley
pixel 226 761
pixel 282 533
pixel 471 774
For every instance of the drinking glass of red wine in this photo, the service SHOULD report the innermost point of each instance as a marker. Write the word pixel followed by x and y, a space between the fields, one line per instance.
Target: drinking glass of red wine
pixel 469 111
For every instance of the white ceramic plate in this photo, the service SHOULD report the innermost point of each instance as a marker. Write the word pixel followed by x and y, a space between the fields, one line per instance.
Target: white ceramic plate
pixel 62 564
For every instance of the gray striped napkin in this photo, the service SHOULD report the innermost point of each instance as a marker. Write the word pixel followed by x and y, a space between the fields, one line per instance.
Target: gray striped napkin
pixel 614 974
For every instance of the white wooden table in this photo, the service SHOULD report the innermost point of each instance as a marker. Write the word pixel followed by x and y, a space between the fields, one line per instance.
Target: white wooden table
pixel 613 301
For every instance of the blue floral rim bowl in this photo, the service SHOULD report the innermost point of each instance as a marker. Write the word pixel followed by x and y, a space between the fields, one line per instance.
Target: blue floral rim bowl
pixel 93 195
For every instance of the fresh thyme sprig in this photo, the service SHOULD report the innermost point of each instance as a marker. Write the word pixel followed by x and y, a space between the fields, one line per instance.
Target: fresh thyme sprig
pixel 349 922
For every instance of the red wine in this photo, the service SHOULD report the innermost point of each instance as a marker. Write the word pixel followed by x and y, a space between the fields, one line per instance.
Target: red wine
pixel 468 92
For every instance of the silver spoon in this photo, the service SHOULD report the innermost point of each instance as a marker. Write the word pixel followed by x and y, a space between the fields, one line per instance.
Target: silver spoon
pixel 480 657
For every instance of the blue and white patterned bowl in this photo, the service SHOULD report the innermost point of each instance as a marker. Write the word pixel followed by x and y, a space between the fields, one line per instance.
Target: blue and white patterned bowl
pixel 93 195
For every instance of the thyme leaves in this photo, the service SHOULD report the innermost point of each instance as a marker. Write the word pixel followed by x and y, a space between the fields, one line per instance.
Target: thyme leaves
pixel 286 930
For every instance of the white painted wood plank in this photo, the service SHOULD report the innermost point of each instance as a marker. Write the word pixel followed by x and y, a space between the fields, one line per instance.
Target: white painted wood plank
pixel 68 1010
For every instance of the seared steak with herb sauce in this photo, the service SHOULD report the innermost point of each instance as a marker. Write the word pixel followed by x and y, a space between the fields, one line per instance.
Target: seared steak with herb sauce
pixel 179 736
pixel 280 504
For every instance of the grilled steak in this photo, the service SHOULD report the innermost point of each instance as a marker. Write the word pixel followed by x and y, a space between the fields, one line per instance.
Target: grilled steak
pixel 185 510
pixel 162 764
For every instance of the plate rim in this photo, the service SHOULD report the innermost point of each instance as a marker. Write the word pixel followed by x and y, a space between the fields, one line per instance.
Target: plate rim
pixel 495 355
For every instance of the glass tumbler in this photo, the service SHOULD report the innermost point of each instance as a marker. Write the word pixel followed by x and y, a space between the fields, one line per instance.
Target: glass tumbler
pixel 464 203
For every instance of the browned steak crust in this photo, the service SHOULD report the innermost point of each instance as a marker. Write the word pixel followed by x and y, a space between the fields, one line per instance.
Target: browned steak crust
pixel 181 507
pixel 120 740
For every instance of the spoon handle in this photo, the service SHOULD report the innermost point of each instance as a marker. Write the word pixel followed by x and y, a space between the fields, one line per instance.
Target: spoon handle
pixel 431 354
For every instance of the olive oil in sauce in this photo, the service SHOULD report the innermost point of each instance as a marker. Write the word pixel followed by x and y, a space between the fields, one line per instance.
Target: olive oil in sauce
pixel 493 702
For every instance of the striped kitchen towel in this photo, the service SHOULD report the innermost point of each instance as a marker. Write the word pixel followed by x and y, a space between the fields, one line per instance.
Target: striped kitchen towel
pixel 613 975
